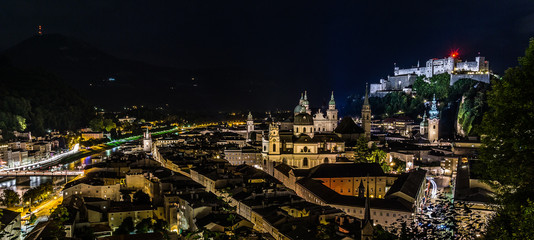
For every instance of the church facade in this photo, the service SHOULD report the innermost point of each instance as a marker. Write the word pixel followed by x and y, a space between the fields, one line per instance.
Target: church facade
pixel 309 142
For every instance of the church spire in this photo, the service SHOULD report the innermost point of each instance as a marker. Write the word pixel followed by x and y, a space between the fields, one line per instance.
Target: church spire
pixel 366 100
pixel 305 95
pixel 332 101
pixel 434 109
pixel 367 216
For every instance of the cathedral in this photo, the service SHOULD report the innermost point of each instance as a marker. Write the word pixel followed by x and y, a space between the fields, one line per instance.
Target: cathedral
pixel 305 142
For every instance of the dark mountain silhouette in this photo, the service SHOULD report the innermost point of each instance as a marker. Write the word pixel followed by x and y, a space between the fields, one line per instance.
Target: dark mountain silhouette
pixel 111 82
pixel 104 79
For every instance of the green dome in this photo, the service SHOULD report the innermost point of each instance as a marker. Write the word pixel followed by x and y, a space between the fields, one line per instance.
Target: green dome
pixel 332 101
pixel 298 108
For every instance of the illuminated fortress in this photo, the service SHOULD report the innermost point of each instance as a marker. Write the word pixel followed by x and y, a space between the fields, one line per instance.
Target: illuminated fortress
pixel 403 79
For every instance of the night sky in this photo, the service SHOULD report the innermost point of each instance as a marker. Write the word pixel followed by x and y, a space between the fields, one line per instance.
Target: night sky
pixel 297 45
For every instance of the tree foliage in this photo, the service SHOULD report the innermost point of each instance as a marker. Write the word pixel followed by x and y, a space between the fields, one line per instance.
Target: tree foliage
pixel 508 148
pixel 126 227
pixel 38 193
pixel 144 226
pixel 141 197
pixel 10 198
pixel 37 101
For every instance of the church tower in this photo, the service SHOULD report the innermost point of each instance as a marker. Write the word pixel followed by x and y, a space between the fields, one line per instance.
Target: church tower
pixel 433 122
pixel 250 123
pixel 250 126
pixel 147 141
pixel 423 126
pixel 306 103
pixel 331 114
pixel 274 139
pixel 366 114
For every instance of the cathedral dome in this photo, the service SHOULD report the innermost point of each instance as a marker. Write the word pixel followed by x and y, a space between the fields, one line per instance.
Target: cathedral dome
pixel 303 119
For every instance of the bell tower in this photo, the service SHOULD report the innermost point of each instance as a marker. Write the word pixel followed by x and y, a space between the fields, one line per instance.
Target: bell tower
pixel 366 114
pixel 250 123
pixel 433 122
pixel 331 114
pixel 147 141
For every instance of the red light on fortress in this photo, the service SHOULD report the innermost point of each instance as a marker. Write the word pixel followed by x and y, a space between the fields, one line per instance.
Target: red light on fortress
pixel 454 53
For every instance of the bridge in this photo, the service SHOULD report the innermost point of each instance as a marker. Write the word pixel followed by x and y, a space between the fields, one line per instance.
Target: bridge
pixel 52 159
pixel 39 173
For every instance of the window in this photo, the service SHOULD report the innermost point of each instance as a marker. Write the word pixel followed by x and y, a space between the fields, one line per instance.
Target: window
pixel 341 190
pixel 297 129
pixel 325 160
pixel 274 147
pixel 303 129
pixel 305 162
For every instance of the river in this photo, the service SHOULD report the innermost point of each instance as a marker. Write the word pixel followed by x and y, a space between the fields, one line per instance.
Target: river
pixel 22 184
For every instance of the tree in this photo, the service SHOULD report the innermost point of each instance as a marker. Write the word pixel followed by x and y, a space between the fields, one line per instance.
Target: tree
pixel 108 125
pixel 10 198
pixel 141 197
pixel 508 148
pixel 361 150
pixel 144 226
pixel 160 226
pixel 32 219
pixel 96 124
pixel 58 217
pixel 126 227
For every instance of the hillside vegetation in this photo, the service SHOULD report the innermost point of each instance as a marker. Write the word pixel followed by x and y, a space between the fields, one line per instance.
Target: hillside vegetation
pixel 38 101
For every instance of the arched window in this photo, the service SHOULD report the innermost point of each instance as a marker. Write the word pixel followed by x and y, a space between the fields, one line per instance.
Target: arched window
pixel 274 147
pixel 325 160
pixel 305 162
pixel 434 126
pixel 264 148
pixel 297 129
pixel 284 160
pixel 306 149
pixel 303 130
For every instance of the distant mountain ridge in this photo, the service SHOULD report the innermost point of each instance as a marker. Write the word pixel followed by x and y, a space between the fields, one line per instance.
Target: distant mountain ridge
pixel 111 82
pixel 89 70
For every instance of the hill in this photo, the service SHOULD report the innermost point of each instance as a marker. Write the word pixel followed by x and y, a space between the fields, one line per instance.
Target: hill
pixel 38 101
pixel 111 82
